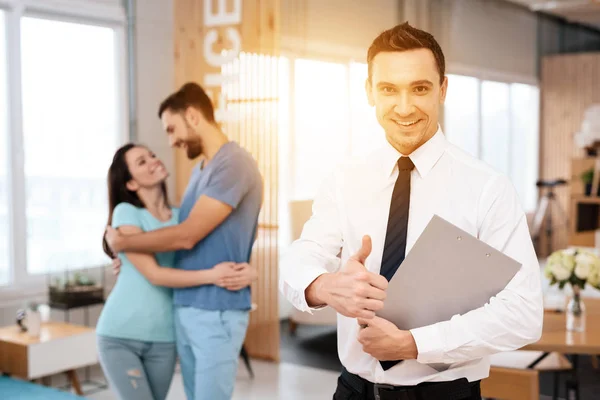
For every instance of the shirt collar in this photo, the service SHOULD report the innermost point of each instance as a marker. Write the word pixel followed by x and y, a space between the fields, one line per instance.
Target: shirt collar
pixel 424 158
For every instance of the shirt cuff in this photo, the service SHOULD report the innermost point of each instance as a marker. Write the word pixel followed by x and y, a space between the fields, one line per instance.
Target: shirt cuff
pixel 430 344
pixel 302 283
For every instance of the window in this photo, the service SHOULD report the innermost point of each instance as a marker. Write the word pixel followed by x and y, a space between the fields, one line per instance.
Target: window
pixel 524 147
pixel 70 131
pixel 499 123
pixel 495 128
pixel 329 128
pixel 365 132
pixel 461 113
pixel 321 123
pixel 4 216
pixel 318 132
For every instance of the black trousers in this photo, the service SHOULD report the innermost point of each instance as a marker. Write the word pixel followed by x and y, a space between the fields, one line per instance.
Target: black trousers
pixel 348 391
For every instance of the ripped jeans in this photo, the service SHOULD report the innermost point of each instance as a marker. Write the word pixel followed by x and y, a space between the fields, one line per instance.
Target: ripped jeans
pixel 137 370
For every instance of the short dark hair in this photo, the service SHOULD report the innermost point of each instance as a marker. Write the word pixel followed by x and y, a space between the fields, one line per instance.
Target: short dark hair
pixel 189 95
pixel 404 37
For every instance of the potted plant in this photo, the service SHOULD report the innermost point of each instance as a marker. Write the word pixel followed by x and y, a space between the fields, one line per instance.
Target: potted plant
pixel 575 267
pixel 587 178
pixel 76 290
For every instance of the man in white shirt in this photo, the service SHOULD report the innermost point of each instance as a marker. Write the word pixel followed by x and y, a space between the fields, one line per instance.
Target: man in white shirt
pixel 373 210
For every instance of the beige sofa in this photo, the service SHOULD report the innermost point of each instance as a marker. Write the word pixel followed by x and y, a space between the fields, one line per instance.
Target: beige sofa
pixel 301 212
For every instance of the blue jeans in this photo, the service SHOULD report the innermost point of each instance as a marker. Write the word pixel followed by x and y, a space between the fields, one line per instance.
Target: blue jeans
pixel 209 344
pixel 137 370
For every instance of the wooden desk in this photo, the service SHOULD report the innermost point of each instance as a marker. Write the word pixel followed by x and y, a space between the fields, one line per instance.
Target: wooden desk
pixel 61 347
pixel 555 336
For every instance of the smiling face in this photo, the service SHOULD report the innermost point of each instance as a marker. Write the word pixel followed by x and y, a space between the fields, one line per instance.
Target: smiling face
pixel 181 134
pixel 405 89
pixel 146 170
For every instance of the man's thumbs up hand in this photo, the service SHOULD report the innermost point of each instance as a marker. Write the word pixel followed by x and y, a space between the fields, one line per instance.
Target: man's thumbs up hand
pixel 364 251
pixel 354 291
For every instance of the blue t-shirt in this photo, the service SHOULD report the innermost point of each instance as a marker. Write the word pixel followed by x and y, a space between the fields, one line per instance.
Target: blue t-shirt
pixel 135 308
pixel 232 177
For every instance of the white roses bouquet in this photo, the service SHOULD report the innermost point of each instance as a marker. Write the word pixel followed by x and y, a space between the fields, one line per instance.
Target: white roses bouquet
pixel 573 266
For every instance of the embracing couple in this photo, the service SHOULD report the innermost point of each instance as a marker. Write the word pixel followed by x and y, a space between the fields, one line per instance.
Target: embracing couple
pixel 201 250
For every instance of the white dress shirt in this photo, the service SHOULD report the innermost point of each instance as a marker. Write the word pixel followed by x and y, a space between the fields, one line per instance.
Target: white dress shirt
pixel 355 201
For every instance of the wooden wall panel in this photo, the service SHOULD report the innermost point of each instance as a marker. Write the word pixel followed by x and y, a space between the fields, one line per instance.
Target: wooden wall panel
pixel 245 93
pixel 189 66
pixel 570 83
pixel 253 98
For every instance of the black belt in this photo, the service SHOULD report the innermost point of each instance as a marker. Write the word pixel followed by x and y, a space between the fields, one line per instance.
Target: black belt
pixel 452 390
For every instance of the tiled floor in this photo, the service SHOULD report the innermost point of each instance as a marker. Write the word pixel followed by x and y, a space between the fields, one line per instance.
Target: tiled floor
pixel 272 381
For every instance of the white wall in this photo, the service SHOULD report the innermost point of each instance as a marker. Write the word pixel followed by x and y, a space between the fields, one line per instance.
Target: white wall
pixel 486 35
pixel 155 75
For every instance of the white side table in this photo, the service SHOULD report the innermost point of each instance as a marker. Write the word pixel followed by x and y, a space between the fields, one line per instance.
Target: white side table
pixel 60 348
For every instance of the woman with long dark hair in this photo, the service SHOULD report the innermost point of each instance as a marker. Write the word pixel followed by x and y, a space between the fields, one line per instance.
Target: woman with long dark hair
pixel 136 334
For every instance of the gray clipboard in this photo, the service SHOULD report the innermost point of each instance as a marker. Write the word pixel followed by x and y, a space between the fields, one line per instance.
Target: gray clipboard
pixel 447 272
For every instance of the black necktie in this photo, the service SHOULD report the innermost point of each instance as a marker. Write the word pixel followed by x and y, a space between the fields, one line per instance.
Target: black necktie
pixel 395 237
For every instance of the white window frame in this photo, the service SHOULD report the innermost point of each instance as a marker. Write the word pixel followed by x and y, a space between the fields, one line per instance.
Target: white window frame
pixel 486 75
pixel 490 75
pixel 498 76
pixel 21 283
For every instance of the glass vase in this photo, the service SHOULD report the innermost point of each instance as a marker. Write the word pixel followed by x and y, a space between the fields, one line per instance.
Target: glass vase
pixel 576 312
